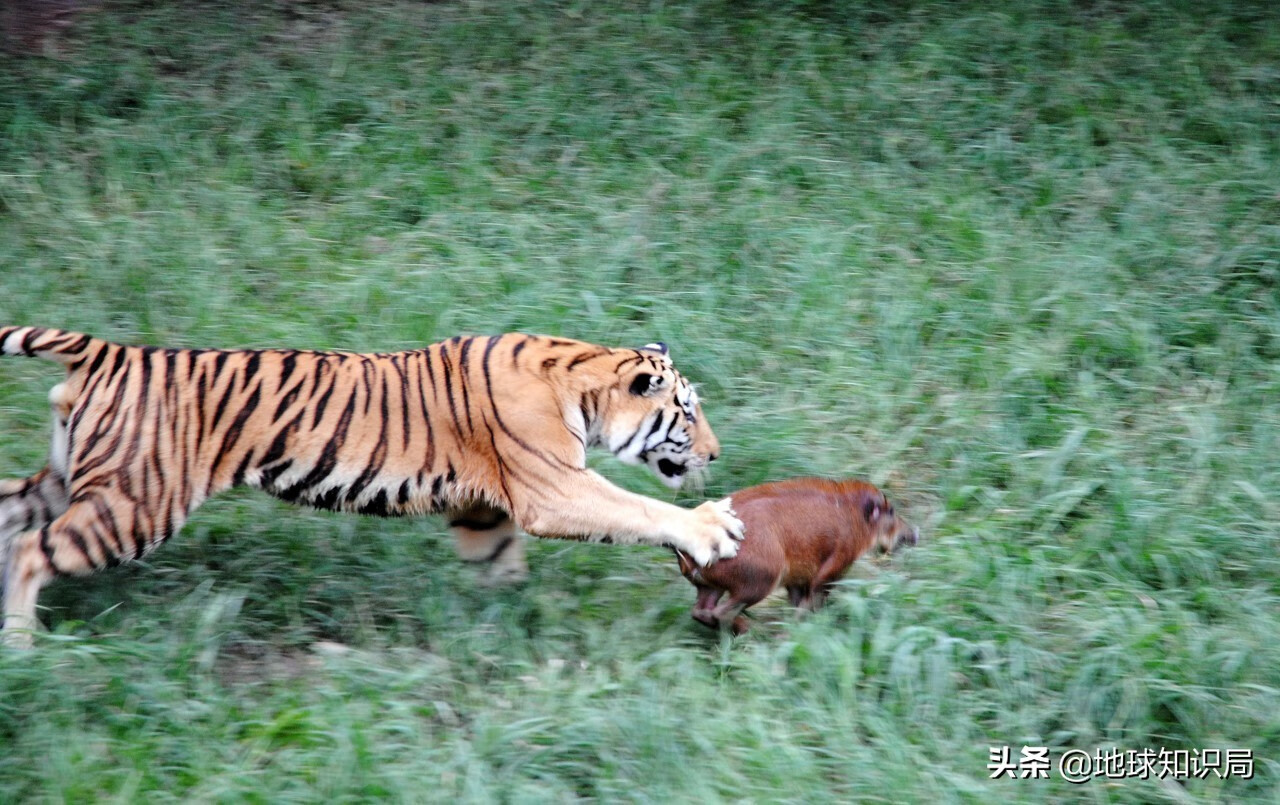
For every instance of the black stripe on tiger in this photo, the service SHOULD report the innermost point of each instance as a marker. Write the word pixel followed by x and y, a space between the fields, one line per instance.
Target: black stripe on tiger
pixel 500 548
pixel 463 371
pixel 554 462
pixel 328 461
pixel 376 460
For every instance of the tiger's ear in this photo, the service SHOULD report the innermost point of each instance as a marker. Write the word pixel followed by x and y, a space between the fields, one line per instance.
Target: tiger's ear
pixel 645 384
pixel 656 346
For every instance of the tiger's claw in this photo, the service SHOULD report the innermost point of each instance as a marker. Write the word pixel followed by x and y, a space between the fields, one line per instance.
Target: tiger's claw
pixel 717 534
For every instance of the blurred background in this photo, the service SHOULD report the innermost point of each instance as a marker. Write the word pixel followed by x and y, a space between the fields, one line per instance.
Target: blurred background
pixel 1015 263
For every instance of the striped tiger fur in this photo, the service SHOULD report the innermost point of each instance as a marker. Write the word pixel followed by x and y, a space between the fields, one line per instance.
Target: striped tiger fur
pixel 492 431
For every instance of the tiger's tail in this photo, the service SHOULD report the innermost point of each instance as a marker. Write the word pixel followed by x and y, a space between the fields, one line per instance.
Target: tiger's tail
pixel 44 342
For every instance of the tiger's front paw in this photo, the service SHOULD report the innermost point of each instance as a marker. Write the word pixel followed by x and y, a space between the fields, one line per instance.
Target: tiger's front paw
pixel 715 533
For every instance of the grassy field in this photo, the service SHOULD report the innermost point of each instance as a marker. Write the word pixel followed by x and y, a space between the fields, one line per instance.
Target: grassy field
pixel 1020 267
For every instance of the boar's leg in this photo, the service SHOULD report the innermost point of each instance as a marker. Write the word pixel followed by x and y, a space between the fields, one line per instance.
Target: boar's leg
pixel 702 608
pixel 729 612
pixel 811 596
pixel 750 584
pixel 808 597
pixel 712 612
pixel 799 594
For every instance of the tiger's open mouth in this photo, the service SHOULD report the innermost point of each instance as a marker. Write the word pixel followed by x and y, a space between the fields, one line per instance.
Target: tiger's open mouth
pixel 670 472
pixel 671 469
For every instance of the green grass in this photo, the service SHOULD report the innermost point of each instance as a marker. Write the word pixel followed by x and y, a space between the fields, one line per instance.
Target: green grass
pixel 1018 265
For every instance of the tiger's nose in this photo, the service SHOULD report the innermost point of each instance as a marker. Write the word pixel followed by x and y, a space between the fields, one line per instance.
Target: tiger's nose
pixel 713 455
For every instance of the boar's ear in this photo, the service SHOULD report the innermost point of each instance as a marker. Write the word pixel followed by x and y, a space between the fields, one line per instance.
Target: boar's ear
pixel 871 510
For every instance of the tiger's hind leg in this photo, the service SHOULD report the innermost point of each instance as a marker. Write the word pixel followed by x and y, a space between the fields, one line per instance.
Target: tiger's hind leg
pixel 29 503
pixel 32 503
pixel 25 572
pixel 26 504
pixel 488 535
pixel 100 529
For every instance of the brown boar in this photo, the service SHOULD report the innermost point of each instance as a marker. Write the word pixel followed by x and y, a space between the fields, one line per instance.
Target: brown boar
pixel 802 534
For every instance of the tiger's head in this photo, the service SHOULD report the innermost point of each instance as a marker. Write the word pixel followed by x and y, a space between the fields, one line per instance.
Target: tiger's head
pixel 653 417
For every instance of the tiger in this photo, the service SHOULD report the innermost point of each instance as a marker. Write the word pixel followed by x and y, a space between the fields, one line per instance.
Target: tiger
pixel 491 431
